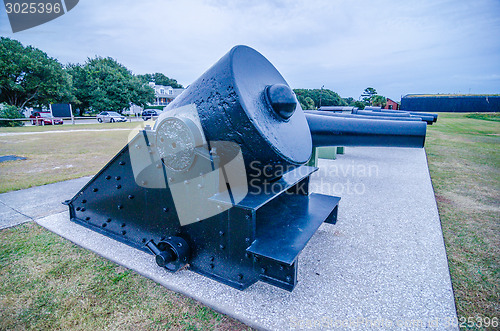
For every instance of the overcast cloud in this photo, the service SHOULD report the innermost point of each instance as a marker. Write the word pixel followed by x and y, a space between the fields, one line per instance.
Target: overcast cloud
pixel 398 47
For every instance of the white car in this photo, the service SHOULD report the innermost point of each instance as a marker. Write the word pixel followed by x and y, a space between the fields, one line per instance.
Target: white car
pixel 110 116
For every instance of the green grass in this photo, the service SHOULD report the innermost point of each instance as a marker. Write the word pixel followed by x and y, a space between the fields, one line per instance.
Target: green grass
pixel 54 155
pixel 464 162
pixel 451 95
pixel 102 126
pixel 46 282
pixel 485 116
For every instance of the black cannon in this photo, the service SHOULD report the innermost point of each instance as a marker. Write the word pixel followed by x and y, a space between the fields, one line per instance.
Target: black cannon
pixel 219 184
pixel 379 113
pixel 427 117
pixel 374 117
pixel 328 130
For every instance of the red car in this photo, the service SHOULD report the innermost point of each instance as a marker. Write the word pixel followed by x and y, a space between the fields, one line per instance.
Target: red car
pixel 45 118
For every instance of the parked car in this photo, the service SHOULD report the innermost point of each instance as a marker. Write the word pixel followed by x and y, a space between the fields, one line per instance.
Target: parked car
pixel 45 118
pixel 110 116
pixel 149 114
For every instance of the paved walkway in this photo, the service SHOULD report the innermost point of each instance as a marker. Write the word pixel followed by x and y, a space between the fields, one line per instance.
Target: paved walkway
pixel 383 265
pixel 26 205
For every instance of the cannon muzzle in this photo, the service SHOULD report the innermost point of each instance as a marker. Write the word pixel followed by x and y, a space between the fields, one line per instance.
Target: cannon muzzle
pixel 346 131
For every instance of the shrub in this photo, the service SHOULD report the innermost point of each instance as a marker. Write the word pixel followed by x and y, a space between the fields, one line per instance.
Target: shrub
pixel 7 111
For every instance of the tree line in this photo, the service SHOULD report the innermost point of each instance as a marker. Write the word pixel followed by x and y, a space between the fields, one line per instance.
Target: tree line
pixel 30 78
pixel 316 98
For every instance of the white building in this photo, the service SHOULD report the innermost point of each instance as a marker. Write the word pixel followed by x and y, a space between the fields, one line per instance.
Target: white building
pixel 163 96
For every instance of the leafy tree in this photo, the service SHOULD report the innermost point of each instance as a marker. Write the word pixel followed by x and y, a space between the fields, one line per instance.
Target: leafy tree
pixel 378 100
pixel 29 77
pixel 328 97
pixel 359 104
pixel 81 88
pixel 141 94
pixel 104 84
pixel 355 103
pixel 309 103
pixel 368 92
pixel 367 95
pixel 159 79
pixel 7 111
pixel 349 101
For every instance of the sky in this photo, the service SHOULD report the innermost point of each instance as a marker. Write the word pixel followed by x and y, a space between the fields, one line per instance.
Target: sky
pixel 397 47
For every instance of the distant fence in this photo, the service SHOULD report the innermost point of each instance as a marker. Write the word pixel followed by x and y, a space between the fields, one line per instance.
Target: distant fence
pixel 39 118
pixel 74 119
pixel 451 103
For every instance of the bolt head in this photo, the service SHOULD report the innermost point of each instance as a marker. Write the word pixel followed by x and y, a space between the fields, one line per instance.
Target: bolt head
pixel 281 99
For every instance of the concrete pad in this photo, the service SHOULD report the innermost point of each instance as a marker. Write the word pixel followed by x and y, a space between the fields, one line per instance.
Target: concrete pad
pixel 10 217
pixel 383 265
pixel 25 205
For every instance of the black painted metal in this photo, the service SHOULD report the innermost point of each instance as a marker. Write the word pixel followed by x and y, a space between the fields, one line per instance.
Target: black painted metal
pixel 341 115
pixel 434 116
pixel 232 99
pixel 427 117
pixel 451 103
pixel 241 109
pixel 372 113
pixel 172 253
pixel 244 100
pixel 342 131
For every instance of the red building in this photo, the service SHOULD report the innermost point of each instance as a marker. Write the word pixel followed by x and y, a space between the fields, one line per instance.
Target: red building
pixel 391 104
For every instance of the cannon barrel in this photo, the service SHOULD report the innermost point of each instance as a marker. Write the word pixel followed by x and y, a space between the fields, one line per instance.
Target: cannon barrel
pixel 344 131
pixel 373 113
pixel 428 117
pixel 333 114
pixel 394 113
pixel 434 116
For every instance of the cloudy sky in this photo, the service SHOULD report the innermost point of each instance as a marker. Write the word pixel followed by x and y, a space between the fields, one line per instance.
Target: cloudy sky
pixel 397 47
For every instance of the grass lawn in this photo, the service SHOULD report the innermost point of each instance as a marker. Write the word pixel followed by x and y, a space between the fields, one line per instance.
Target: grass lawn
pixel 47 282
pixel 58 153
pixel 464 161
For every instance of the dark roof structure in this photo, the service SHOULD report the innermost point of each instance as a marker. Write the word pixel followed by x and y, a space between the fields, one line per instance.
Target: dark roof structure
pixel 460 103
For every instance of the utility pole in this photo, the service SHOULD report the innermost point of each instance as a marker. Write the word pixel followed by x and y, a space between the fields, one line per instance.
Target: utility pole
pixel 320 94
